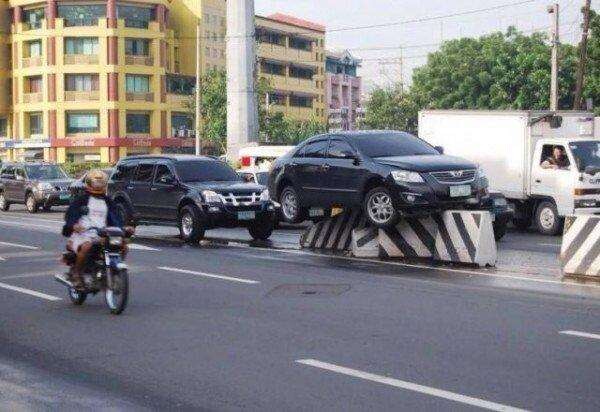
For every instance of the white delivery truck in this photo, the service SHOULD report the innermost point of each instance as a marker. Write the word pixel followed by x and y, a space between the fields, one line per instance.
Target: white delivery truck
pixel 512 148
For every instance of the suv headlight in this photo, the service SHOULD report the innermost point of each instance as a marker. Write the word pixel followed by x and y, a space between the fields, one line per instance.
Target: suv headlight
pixel 407 176
pixel 211 197
pixel 264 196
pixel 45 186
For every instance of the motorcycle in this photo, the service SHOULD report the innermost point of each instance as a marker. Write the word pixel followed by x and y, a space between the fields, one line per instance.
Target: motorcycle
pixel 103 271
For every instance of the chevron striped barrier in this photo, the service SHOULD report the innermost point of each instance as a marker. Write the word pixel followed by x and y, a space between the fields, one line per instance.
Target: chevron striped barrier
pixel 580 249
pixel 333 233
pixel 453 236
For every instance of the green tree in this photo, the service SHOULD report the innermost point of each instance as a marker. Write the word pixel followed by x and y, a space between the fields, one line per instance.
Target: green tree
pixel 592 79
pixel 389 108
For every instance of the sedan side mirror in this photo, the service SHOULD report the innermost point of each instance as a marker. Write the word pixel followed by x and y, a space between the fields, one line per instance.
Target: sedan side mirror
pixel 440 149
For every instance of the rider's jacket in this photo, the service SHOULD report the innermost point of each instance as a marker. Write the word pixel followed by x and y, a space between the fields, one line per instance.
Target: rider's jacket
pixel 79 208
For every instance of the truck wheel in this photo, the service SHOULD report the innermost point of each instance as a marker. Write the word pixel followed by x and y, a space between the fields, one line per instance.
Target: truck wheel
pixel 261 229
pixel 31 204
pixel 291 212
pixel 4 204
pixel 379 208
pixel 547 220
pixel 190 225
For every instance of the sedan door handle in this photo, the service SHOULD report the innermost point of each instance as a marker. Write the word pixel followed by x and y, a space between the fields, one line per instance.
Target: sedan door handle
pixel 538 181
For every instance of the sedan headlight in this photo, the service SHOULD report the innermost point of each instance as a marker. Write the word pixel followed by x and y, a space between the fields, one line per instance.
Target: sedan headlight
pixel 264 196
pixel 211 197
pixel 45 186
pixel 406 176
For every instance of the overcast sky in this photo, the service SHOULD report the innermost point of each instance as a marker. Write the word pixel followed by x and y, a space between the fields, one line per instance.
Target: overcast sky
pixel 417 39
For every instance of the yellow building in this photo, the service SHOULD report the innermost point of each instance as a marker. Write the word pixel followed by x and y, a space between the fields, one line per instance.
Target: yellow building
pixel 291 54
pixel 95 80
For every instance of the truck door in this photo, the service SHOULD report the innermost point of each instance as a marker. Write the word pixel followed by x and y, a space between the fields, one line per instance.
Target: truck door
pixel 552 180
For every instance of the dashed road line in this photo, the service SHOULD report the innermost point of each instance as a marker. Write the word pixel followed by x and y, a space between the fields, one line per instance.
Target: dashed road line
pixel 208 275
pixel 30 292
pixel 427 390
pixel 136 246
pixel 580 334
pixel 19 245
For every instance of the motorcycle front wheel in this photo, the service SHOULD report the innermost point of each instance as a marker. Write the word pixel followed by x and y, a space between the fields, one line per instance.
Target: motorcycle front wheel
pixel 77 297
pixel 117 293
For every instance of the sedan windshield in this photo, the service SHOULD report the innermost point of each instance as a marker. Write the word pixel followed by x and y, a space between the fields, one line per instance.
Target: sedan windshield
pixel 391 144
pixel 45 172
pixel 205 171
pixel 586 153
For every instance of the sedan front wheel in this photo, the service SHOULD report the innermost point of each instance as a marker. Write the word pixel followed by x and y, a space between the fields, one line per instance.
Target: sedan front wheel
pixel 379 208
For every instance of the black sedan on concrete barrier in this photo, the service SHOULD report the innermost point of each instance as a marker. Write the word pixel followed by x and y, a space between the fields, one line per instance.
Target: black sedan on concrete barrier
pixel 389 174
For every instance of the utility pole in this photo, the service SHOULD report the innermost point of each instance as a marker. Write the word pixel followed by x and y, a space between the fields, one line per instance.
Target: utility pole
pixel 198 91
pixel 553 10
pixel 582 56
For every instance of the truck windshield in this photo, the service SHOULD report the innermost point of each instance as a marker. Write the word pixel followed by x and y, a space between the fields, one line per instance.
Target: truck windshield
pixel 205 171
pixel 586 153
pixel 391 144
pixel 44 172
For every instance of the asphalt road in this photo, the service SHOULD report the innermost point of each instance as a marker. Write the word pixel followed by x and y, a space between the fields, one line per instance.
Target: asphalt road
pixel 231 327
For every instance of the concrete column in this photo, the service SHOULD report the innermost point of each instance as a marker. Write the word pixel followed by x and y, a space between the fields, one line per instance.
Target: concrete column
pixel 242 115
pixel 160 16
pixel 112 50
pixel 113 87
pixel 113 123
pixel 51 13
pixel 51 87
pixel 163 125
pixel 163 89
pixel 52 126
pixel 113 155
pixel 17 15
pixel 111 14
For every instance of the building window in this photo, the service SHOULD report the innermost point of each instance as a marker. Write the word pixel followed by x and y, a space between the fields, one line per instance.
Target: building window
pixel 136 17
pixel 34 48
pixel 81 15
pixel 83 123
pixel 138 123
pixel 301 101
pixel 181 125
pixel 270 37
pixel 276 98
pixel 36 127
pixel 272 68
pixel 81 45
pixel 301 72
pixel 34 18
pixel 3 126
pixel 135 83
pixel 300 44
pixel 181 84
pixel 137 47
pixel 33 84
pixel 81 82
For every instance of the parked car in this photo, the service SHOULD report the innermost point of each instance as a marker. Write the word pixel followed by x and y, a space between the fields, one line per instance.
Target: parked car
pixel 389 174
pixel 78 186
pixel 35 185
pixel 192 192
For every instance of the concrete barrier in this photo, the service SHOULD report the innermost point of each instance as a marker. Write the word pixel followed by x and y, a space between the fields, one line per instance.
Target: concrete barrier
pixel 580 249
pixel 453 236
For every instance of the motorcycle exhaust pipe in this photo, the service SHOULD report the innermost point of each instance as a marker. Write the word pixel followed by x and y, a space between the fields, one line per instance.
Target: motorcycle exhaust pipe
pixel 63 281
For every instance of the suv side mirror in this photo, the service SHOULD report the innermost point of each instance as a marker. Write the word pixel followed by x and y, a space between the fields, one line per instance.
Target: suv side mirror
pixel 440 149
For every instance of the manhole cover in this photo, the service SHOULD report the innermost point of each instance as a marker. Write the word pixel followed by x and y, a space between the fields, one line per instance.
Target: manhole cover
pixel 309 290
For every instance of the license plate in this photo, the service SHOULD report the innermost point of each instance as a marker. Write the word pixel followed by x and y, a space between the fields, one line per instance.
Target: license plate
pixel 65 197
pixel 460 191
pixel 246 215
pixel 316 212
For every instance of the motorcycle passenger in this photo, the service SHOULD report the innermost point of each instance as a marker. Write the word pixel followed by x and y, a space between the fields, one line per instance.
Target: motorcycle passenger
pixel 93 209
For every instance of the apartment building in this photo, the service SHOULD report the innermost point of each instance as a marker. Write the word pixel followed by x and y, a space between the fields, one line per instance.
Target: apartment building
pixel 5 77
pixel 343 91
pixel 291 55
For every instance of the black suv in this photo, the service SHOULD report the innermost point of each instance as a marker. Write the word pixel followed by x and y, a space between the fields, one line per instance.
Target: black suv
pixel 192 192
pixel 389 174
pixel 34 184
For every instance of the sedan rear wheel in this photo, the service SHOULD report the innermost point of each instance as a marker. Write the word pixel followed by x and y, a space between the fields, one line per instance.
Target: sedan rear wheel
pixel 31 204
pixel 379 208
pixel 291 212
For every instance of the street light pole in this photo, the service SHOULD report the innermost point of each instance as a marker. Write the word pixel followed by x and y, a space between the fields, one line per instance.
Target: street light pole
pixel 555 42
pixel 198 91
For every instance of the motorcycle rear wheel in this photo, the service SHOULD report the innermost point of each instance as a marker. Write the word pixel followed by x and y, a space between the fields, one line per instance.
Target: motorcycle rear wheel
pixel 117 295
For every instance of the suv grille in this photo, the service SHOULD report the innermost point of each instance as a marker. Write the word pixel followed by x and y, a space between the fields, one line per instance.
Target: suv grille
pixel 61 188
pixel 454 176
pixel 240 199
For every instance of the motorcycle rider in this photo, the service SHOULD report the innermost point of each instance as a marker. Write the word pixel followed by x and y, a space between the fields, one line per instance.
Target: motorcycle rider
pixel 93 209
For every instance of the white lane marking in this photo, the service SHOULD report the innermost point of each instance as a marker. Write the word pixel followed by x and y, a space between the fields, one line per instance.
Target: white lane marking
pixel 208 275
pixel 549 244
pixel 427 390
pixel 580 334
pixel 29 225
pixel 29 292
pixel 135 246
pixel 19 245
pixel 32 274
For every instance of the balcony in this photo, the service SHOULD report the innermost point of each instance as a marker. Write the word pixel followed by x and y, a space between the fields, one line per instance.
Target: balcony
pixel 33 97
pixel 80 22
pixel 136 24
pixel 279 53
pixel 82 96
pixel 31 61
pixel 291 83
pixel 131 60
pixel 81 59
pixel 139 97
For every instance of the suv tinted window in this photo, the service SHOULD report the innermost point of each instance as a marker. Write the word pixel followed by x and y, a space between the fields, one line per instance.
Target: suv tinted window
pixel 42 172
pixel 391 144
pixel 315 149
pixel 143 174
pixel 205 171
pixel 124 172
pixel 162 171
pixel 340 150
pixel 8 173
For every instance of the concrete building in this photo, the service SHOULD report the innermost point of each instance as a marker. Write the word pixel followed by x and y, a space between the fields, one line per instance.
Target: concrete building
pixel 291 54
pixel 5 75
pixel 98 80
pixel 343 90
